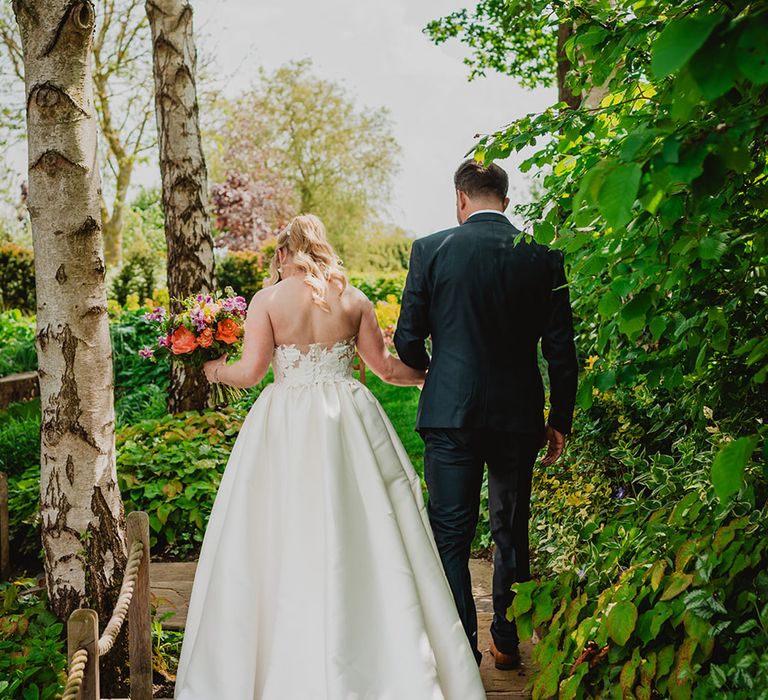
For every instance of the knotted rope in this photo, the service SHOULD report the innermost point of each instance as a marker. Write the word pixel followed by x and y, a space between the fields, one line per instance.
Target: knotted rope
pixel 76 673
pixel 107 639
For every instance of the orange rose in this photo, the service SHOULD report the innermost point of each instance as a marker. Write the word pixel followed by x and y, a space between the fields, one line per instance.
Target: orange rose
pixel 183 341
pixel 205 338
pixel 228 331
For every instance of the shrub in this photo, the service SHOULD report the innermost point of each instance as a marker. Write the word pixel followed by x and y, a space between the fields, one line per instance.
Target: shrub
pixel 17 278
pixel 378 288
pixel 243 270
pixel 17 338
pixel 137 382
pixel 20 438
pixel 663 576
pixel 138 275
pixel 171 468
pixel 33 655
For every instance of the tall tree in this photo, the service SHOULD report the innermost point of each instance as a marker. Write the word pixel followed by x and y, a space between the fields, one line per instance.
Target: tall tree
pixel 184 175
pixel 527 39
pixel 300 127
pixel 121 68
pixel 82 514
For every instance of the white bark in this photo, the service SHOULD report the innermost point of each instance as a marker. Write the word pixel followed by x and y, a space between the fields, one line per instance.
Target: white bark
pixel 185 179
pixel 82 513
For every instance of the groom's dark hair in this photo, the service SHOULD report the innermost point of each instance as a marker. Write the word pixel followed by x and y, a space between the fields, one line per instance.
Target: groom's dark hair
pixel 474 179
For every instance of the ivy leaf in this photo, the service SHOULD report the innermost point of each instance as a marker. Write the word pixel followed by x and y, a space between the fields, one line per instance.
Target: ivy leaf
pixel 618 193
pixel 621 622
pixel 679 41
pixel 728 466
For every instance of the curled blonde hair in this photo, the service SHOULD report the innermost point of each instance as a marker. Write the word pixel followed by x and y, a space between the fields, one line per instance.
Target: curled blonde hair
pixel 306 239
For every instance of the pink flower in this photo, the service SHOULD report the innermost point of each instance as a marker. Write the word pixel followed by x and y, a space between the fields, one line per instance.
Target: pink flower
pixel 164 341
pixel 157 314
pixel 146 352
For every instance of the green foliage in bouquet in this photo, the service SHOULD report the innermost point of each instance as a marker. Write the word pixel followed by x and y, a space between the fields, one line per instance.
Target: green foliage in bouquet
pixel 205 327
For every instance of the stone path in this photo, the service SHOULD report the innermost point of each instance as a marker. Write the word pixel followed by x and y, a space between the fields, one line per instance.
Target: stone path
pixel 172 586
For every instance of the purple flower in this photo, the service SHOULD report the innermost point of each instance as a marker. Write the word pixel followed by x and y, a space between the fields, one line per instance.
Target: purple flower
pixel 581 573
pixel 146 352
pixel 164 341
pixel 157 314
pixel 234 305
pixel 620 493
pixel 198 318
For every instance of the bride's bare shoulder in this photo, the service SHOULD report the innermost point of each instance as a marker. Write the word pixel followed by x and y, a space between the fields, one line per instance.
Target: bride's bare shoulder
pixel 355 296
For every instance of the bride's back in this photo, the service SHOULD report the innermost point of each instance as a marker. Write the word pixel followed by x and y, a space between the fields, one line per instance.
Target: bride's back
pixel 297 319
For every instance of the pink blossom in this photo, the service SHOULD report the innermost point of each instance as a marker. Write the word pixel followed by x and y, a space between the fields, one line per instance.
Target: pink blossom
pixel 146 352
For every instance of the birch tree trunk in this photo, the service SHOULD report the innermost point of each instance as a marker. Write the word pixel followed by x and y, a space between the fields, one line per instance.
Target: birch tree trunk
pixel 82 513
pixel 184 175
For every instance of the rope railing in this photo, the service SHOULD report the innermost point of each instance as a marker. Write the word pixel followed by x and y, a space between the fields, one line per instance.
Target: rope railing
pixel 115 624
pixel 76 674
pixel 86 647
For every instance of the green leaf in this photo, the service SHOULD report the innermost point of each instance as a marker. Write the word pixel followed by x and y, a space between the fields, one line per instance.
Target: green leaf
pixel 711 248
pixel 618 193
pixel 609 304
pixel 728 466
pixel 621 621
pixel 714 68
pixel 752 57
pixel 677 583
pixel 522 602
pixel 679 41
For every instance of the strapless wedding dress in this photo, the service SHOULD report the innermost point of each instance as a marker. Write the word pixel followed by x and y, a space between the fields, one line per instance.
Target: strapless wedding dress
pixel 319 578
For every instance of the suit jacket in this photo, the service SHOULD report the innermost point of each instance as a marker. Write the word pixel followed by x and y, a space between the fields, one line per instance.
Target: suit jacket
pixel 486 302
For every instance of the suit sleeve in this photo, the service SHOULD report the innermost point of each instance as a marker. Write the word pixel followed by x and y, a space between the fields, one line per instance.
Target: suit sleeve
pixel 413 324
pixel 559 350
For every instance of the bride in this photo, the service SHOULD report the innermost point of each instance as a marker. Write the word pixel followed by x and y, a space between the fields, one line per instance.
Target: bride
pixel 319 578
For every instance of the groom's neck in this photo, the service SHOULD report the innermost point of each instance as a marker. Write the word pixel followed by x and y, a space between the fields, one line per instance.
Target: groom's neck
pixel 482 205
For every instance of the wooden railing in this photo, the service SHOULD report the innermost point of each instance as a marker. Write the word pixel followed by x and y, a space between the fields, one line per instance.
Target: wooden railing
pixel 84 645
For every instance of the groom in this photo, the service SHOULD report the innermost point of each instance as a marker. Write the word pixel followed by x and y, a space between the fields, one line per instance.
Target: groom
pixel 486 301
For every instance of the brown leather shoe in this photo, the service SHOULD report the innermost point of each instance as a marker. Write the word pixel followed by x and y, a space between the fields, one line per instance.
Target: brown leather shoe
pixel 505 662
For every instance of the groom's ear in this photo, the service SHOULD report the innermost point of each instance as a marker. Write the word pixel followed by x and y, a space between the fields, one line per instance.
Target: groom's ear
pixel 506 203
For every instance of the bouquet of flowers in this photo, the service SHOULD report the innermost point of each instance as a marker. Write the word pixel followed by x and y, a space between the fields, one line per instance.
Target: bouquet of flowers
pixel 208 326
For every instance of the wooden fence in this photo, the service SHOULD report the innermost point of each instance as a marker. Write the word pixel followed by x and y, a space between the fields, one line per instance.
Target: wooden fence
pixel 85 647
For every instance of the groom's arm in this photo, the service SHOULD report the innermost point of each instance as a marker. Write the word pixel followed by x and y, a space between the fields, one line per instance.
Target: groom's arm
pixel 559 350
pixel 413 324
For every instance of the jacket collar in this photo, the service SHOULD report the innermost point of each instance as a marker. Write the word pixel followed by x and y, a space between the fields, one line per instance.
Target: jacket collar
pixel 486 216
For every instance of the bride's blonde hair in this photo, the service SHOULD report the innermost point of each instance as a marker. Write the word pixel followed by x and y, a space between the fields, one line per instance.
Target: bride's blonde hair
pixel 306 239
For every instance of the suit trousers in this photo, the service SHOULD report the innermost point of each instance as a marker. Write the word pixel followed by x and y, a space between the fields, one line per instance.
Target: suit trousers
pixel 454 460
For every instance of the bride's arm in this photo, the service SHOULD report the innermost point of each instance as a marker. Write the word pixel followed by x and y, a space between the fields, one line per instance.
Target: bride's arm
pixel 258 347
pixel 373 351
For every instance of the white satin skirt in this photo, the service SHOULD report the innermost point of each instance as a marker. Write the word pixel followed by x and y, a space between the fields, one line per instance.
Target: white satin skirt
pixel 319 578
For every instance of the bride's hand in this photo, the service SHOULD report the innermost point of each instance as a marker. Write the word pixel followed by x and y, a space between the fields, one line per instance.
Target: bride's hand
pixel 211 366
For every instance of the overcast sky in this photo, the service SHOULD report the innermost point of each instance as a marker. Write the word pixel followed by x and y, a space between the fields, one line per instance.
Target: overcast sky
pixel 377 50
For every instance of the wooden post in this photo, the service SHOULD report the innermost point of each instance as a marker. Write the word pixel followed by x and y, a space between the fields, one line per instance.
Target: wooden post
pixel 83 633
pixel 139 621
pixel 5 537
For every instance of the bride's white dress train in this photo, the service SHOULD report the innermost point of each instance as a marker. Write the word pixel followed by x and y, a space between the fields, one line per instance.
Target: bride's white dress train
pixel 319 578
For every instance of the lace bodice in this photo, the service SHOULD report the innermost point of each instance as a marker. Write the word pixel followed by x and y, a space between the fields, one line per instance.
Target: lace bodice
pixel 318 363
